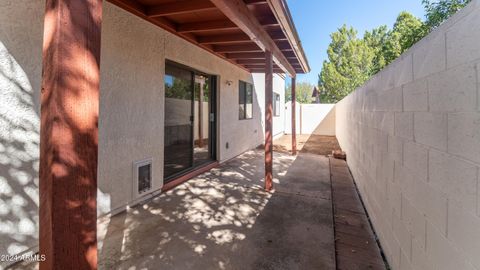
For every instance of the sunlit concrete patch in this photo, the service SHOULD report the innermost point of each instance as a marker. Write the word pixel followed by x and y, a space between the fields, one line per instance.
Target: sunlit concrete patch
pixel 224 220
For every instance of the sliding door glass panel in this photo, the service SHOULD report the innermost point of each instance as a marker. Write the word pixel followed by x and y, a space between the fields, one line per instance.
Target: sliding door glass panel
pixel 201 116
pixel 178 120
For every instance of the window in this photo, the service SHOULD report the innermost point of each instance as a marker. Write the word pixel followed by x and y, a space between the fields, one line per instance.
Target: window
pixel 276 104
pixel 245 100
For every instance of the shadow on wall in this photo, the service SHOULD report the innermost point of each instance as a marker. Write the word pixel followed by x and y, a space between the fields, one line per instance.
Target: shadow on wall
pixel 318 119
pixel 19 150
pixel 327 123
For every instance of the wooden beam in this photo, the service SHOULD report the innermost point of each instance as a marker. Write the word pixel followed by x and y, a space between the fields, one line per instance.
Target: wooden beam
pixel 240 37
pixel 238 12
pixel 215 25
pixel 255 2
pixel 267 21
pixel 250 47
pixel 268 121
pixel 277 35
pixel 294 119
pixel 259 66
pixel 140 10
pixel 222 39
pixel 283 45
pixel 262 70
pixel 69 134
pixel 179 7
pixel 250 55
pixel 206 26
pixel 251 61
pixel 288 55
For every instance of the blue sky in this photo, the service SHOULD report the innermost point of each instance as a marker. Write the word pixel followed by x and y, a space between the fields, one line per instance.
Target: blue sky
pixel 316 19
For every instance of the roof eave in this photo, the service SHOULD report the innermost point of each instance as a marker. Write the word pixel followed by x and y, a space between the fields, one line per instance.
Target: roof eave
pixel 282 13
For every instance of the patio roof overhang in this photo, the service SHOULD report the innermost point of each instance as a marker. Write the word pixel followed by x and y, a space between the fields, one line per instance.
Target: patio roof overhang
pixel 239 31
pixel 257 35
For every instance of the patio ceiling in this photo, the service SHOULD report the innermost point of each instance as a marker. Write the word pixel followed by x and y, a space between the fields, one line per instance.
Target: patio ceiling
pixel 237 30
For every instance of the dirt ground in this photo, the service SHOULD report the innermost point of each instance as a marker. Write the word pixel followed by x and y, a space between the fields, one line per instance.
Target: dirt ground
pixel 314 144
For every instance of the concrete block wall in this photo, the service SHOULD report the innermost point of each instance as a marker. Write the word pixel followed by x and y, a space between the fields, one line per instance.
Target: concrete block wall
pixel 412 137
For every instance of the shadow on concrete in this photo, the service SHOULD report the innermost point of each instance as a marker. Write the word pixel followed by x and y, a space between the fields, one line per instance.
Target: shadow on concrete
pixel 224 220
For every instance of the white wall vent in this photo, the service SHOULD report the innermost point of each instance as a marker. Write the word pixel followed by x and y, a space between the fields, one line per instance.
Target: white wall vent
pixel 143 176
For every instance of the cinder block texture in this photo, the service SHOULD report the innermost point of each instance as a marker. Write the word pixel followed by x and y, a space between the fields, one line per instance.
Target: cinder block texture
pixel 453 90
pixel 415 96
pixel 431 129
pixel 421 185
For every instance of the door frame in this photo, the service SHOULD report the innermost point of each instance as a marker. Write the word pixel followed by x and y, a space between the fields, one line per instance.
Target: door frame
pixel 212 138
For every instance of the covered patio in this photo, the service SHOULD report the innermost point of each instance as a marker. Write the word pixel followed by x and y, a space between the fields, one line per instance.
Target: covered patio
pixel 257 36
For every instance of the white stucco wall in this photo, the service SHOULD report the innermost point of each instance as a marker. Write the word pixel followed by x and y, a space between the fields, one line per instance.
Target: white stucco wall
pixel 131 105
pixel 131 110
pixel 412 137
pixel 20 78
pixel 278 88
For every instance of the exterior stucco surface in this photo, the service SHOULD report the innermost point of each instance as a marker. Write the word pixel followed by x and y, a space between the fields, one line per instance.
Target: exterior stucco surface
pixel 278 88
pixel 20 78
pixel 412 137
pixel 131 122
pixel 131 105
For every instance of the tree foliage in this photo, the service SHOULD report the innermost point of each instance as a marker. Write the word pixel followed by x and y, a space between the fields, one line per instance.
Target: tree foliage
pixel 377 40
pixel 438 11
pixel 303 92
pixel 352 60
pixel 406 31
pixel 349 64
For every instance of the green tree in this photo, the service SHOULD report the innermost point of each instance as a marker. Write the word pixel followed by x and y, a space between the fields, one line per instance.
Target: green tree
pixel 438 11
pixel 376 40
pixel 303 92
pixel 406 31
pixel 351 61
pixel 349 65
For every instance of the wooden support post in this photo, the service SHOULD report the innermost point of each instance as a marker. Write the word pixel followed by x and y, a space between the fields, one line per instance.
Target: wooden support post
pixel 69 134
pixel 268 120
pixel 294 115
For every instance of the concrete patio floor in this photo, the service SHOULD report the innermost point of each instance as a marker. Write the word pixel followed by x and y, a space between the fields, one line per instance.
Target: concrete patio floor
pixel 224 220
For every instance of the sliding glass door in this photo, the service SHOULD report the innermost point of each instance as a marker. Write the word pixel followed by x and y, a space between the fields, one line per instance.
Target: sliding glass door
pixel 189 119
